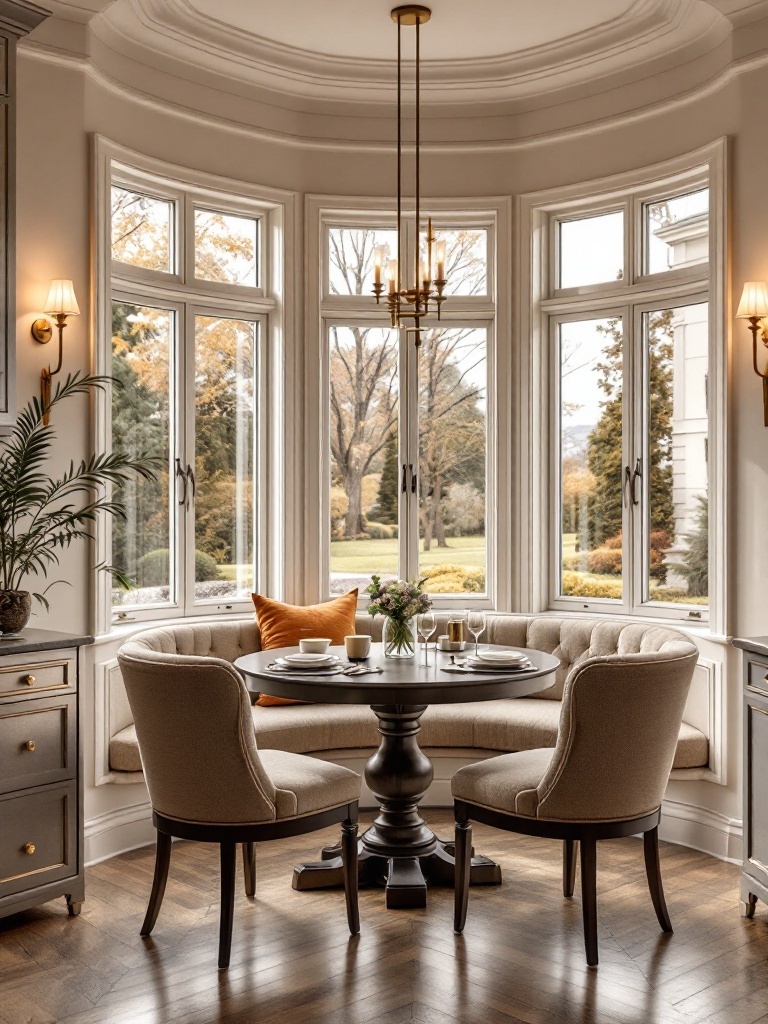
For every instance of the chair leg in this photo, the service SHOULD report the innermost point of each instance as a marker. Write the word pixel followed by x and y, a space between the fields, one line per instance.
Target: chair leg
pixel 162 863
pixel 462 862
pixel 349 860
pixel 588 853
pixel 249 869
pixel 569 866
pixel 653 871
pixel 228 854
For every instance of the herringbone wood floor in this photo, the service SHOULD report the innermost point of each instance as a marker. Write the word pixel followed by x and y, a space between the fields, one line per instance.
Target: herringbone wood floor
pixel 293 962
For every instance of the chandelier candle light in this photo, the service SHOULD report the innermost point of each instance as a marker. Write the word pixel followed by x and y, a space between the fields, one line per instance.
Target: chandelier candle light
pixel 429 279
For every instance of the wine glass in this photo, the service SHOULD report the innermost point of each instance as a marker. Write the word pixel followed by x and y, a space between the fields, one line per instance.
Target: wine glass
pixel 476 625
pixel 426 626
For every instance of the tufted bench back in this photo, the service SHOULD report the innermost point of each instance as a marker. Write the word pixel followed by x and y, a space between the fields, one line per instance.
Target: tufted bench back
pixel 573 641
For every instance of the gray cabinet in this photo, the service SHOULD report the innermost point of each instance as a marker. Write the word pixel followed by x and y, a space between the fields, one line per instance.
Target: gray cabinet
pixel 41 789
pixel 17 18
pixel 754 876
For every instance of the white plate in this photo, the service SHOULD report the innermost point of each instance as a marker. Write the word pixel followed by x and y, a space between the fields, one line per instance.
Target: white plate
pixel 313 660
pixel 487 666
pixel 503 657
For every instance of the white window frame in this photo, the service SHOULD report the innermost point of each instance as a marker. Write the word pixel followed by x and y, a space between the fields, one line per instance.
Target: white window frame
pixel 268 304
pixel 540 301
pixel 491 311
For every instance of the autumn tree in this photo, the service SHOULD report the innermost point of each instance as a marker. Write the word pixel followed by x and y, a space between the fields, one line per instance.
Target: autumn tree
pixel 224 366
pixel 451 426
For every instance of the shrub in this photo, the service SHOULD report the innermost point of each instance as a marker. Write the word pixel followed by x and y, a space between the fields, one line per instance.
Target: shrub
pixel 205 568
pixel 576 585
pixel 152 568
pixel 453 579
pixel 378 531
pixel 604 561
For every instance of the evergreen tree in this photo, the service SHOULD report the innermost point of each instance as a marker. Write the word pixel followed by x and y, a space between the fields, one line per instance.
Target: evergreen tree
pixel 389 484
pixel 604 455
pixel 695 564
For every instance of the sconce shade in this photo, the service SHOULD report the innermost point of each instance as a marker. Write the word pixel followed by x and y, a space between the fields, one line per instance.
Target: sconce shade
pixel 754 300
pixel 61 299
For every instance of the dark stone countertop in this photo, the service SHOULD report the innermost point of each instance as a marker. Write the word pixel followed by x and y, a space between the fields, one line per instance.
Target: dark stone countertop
pixel 754 644
pixel 42 640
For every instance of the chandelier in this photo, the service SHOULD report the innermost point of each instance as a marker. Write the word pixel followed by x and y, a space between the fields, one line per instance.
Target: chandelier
pixel 414 301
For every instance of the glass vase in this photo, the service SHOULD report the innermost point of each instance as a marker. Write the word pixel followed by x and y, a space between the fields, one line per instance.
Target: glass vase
pixel 399 638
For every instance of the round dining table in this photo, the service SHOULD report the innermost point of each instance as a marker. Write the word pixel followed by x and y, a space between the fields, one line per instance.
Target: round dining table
pixel 399 851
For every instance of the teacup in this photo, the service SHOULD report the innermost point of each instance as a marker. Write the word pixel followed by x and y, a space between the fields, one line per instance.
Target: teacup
pixel 314 645
pixel 358 646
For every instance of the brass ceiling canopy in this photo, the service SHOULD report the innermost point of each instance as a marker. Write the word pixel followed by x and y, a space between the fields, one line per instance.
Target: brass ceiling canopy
pixel 411 14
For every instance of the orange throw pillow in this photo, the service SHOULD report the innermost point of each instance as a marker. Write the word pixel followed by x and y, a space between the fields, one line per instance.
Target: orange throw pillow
pixel 283 625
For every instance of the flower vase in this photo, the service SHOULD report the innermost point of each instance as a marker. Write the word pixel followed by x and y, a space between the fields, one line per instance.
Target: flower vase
pixel 399 638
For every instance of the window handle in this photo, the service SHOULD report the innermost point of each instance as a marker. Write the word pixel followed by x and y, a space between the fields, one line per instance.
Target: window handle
pixel 414 479
pixel 191 479
pixel 626 486
pixel 180 473
pixel 637 475
pixel 402 485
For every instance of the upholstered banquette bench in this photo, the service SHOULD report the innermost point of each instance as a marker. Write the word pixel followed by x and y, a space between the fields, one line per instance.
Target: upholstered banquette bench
pixel 452 734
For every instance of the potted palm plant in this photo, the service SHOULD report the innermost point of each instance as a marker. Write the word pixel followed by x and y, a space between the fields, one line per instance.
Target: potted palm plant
pixel 41 514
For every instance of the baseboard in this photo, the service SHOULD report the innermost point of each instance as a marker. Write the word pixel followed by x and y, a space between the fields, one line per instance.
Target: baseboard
pixel 691 825
pixel 702 829
pixel 118 831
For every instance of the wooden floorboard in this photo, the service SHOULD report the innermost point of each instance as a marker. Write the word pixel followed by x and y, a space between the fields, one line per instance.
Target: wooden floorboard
pixel 519 961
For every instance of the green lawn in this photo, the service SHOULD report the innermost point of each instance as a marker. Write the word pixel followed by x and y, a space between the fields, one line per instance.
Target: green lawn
pixel 355 556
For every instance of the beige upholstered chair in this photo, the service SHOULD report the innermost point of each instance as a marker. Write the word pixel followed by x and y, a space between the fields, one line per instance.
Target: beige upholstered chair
pixel 605 778
pixel 207 780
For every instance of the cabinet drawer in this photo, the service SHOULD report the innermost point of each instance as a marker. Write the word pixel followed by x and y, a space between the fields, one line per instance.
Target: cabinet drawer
pixel 757 674
pixel 38 742
pixel 34 675
pixel 38 837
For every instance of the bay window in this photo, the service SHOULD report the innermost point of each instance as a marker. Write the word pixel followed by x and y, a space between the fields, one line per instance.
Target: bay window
pixel 407 479
pixel 191 316
pixel 627 314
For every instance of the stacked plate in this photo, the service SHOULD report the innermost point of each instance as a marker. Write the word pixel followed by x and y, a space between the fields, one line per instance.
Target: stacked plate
pixel 496 660
pixel 309 661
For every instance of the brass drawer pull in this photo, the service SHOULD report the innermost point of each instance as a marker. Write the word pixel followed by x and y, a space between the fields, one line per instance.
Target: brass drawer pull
pixel 29 848
pixel 30 680
pixel 30 745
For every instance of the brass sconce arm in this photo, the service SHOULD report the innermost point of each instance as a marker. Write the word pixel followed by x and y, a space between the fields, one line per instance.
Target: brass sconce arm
pixel 61 304
pixel 755 326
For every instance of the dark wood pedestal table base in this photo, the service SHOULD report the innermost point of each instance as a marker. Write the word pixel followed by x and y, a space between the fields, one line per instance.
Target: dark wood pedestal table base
pixel 399 850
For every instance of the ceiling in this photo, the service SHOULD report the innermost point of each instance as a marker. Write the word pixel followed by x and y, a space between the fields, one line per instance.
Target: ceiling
pixel 458 30
pixel 473 51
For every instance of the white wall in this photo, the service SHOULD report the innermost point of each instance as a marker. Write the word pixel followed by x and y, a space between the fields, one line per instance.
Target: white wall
pixel 60 104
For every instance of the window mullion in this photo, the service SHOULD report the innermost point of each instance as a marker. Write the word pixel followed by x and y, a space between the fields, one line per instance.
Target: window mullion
pixel 636 460
pixel 185 452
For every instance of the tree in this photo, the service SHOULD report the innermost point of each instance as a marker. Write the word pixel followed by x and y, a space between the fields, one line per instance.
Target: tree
pixel 224 365
pixel 364 387
pixel 578 488
pixel 464 509
pixel 695 565
pixel 451 425
pixel 389 485
pixel 364 395
pixel 605 455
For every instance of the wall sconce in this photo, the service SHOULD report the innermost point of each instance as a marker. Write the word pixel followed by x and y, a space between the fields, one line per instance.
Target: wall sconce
pixel 61 303
pixel 754 307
